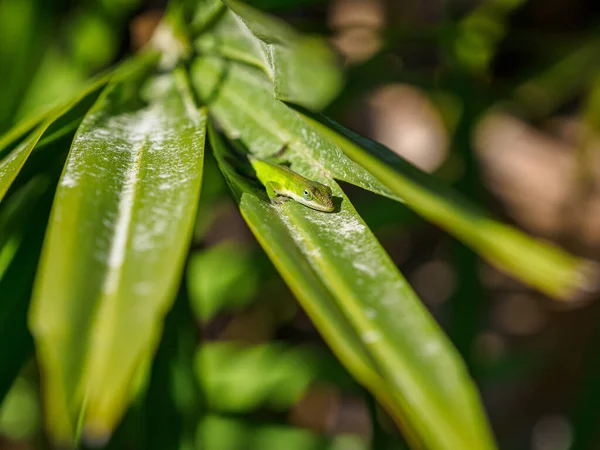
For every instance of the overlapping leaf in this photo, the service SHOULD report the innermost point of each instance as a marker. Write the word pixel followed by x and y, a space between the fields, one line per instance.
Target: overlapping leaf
pixel 539 264
pixel 22 226
pixel 239 98
pixel 303 69
pixel 368 313
pixel 17 145
pixel 54 125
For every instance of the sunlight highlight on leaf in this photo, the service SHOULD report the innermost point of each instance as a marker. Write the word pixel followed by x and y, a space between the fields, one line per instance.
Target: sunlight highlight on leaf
pixel 117 239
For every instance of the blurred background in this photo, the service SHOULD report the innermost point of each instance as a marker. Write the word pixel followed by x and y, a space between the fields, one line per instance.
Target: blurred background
pixel 499 98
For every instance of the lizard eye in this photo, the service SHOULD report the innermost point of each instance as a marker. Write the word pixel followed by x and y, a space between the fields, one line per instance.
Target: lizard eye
pixel 306 194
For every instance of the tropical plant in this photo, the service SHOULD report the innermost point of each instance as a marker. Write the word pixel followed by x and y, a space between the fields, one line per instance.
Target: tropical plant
pixel 99 196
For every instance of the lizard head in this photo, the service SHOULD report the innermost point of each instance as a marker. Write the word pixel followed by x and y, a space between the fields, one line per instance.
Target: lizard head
pixel 316 195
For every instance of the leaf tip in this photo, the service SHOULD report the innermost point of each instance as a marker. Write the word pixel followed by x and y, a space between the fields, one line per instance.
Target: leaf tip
pixel 586 283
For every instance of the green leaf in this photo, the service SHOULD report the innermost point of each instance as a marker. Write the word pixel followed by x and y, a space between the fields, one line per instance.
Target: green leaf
pixel 540 264
pixel 367 313
pixel 239 98
pixel 543 93
pixel 238 378
pixel 114 250
pixel 16 134
pixel 203 13
pixel 57 77
pixel 55 124
pixel 24 36
pixel 221 277
pixel 222 433
pixel 20 415
pixel 67 113
pixel 303 69
pixel 14 161
pixel 22 225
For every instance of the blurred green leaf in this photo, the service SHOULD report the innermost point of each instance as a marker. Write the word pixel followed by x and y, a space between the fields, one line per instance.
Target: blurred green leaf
pixel 19 132
pixel 93 41
pixel 349 442
pixel 215 432
pixel 115 246
pixel 204 12
pixel 84 39
pixel 480 32
pixel 303 69
pixel 238 378
pixel 23 29
pixel 276 436
pixel 215 196
pixel 367 312
pixel 222 433
pixel 20 415
pixel 221 277
pixel 11 164
pixel 59 121
pixel 239 99
pixel 118 8
pixel 16 280
pixel 56 78
pixel 14 212
pixel 544 92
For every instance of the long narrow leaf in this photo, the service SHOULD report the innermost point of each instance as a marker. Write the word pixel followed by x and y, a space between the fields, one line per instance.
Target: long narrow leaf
pixel 239 98
pixel 12 137
pixel 392 337
pixel 120 224
pixel 16 279
pixel 548 268
pixel 12 164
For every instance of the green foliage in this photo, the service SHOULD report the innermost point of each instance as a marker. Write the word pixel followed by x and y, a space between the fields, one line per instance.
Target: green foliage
pixel 238 379
pixel 399 340
pixel 126 201
pixel 227 434
pixel 20 414
pixel 129 149
pixel 21 248
pixel 221 277
pixel 539 264
pixel 302 69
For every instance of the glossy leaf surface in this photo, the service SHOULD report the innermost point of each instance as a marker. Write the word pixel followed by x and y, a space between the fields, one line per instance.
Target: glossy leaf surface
pixel 239 98
pixel 545 266
pixel 367 312
pixel 117 238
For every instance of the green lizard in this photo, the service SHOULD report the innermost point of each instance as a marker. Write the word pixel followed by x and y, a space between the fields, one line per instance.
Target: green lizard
pixel 280 183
